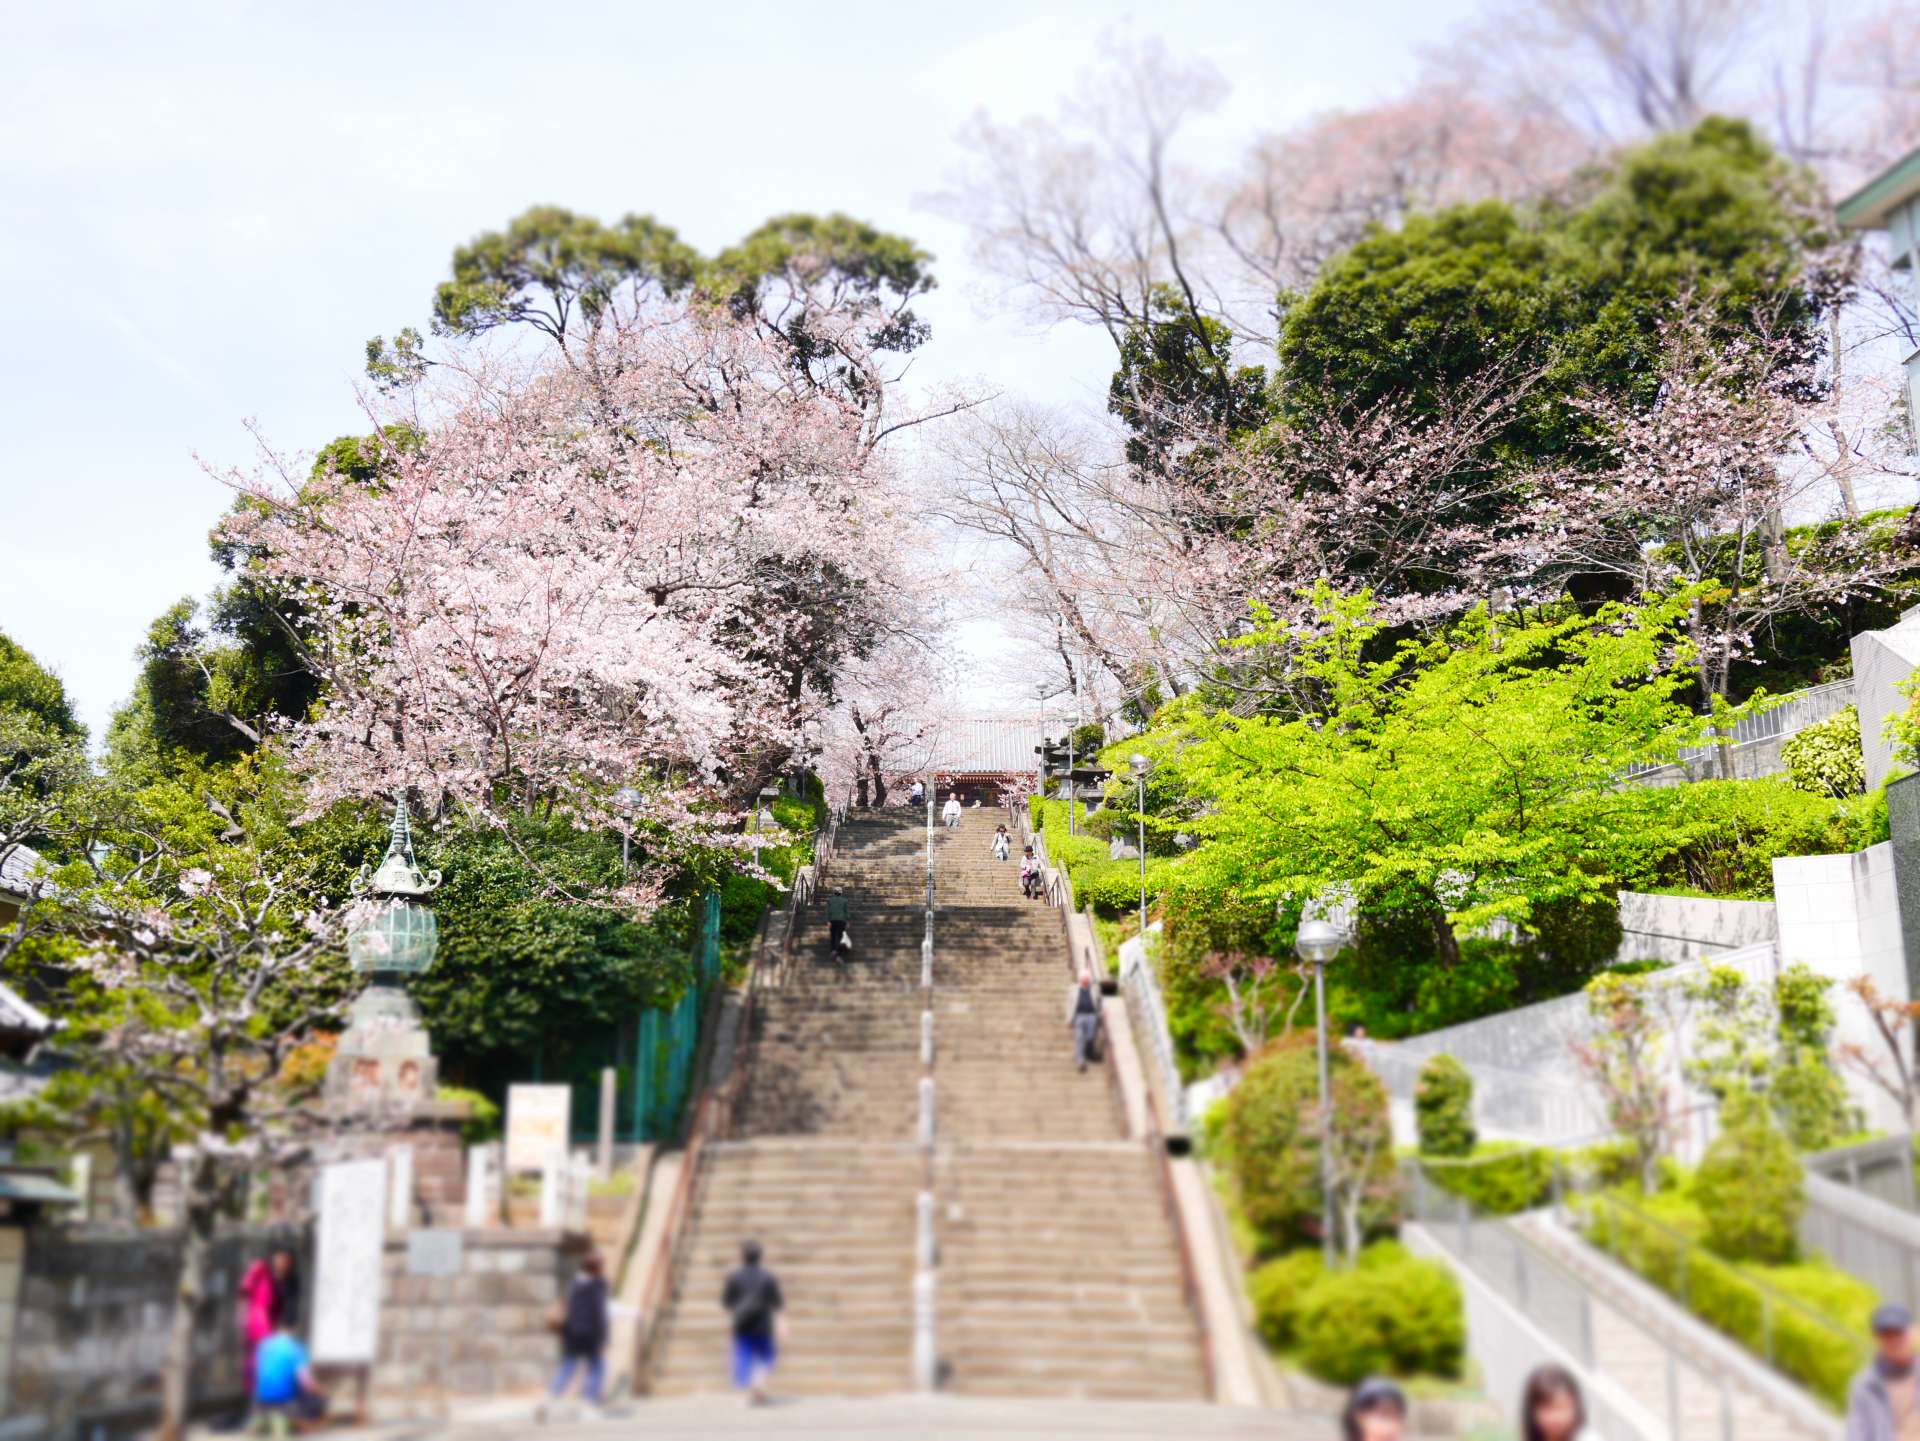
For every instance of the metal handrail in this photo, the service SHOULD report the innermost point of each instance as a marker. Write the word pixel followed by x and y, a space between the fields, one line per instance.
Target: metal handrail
pixel 1529 1280
pixel 1786 715
pixel 1686 1247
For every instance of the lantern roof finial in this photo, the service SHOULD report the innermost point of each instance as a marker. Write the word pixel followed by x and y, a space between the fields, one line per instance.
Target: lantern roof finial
pixel 399 873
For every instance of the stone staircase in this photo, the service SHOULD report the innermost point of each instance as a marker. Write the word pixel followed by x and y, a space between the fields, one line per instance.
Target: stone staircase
pixel 1058 1272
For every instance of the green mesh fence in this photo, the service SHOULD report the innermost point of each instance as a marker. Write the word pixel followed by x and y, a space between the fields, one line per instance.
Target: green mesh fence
pixel 652 1056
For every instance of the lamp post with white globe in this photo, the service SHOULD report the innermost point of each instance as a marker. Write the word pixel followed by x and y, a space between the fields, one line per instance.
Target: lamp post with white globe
pixel 1316 943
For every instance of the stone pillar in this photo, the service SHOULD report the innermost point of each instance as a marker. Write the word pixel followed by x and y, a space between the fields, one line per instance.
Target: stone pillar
pixel 400 1188
pixel 13 1268
pixel 552 1177
pixel 609 1098
pixel 483 1208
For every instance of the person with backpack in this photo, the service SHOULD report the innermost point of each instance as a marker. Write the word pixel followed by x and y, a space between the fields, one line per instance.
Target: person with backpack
pixel 752 1298
pixel 838 945
pixel 1083 1018
pixel 1029 875
pixel 584 1327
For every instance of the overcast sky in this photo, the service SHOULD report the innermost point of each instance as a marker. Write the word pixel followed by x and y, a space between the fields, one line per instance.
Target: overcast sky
pixel 209 207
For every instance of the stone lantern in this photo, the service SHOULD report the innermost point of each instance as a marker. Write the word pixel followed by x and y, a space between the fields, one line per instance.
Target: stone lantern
pixel 384 1061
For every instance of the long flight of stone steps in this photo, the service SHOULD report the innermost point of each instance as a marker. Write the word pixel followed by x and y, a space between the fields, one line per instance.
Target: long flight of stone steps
pixel 1059 1272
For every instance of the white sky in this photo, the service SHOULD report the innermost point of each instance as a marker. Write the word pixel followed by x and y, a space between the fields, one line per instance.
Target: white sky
pixel 207 208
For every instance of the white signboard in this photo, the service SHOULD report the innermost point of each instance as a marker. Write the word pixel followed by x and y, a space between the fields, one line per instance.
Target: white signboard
pixel 352 1201
pixel 538 1118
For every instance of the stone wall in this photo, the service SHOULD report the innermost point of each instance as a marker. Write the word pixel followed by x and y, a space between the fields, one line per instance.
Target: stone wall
pixel 90 1331
pixel 479 1332
pixel 1841 916
pixel 1688 928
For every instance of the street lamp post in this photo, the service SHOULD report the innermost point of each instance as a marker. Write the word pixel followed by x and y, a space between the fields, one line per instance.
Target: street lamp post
pixel 1316 943
pixel 768 795
pixel 628 799
pixel 1073 786
pixel 1140 765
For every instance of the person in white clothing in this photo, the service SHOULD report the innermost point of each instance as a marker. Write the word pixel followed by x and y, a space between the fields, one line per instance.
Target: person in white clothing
pixel 950 813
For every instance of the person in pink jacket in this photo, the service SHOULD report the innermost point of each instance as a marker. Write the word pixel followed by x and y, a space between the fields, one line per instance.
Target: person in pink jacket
pixel 257 1298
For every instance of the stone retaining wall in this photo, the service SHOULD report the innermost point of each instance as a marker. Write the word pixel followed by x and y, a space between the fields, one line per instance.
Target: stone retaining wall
pixel 477 1333
pixel 90 1329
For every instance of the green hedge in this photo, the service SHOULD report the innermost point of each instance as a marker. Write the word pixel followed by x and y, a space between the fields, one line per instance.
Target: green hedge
pixel 1501 1178
pixel 1392 1314
pixel 1720 837
pixel 1822 1355
pixel 1277 1289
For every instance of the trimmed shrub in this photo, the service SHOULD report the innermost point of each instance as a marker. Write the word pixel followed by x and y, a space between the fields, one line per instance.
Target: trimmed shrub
pixel 1277 1289
pixel 482 1123
pixel 1113 887
pixel 1392 1314
pixel 1272 1146
pixel 1751 1190
pixel 1443 1108
pixel 1824 759
pixel 1500 1178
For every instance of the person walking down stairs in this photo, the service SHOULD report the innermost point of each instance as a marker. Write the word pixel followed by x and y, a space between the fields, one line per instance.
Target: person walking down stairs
pixel 950 813
pixel 1083 1016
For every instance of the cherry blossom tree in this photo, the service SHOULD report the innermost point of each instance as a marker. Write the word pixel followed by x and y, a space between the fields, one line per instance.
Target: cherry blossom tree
pixel 190 976
pixel 644 571
pixel 1147 573
pixel 1697 488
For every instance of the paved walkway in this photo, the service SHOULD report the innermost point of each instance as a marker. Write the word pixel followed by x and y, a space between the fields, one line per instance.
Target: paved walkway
pixel 942 1418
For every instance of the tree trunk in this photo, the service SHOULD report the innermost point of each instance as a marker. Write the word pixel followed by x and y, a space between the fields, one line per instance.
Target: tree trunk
pixel 196 1245
pixel 1446 945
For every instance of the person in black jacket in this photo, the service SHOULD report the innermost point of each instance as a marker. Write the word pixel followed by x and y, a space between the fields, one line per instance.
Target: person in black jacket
pixel 583 1330
pixel 752 1298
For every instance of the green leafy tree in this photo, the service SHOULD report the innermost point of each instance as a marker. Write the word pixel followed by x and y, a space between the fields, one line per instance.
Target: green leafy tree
pixel 563 274
pixel 1457 782
pixel 30 690
pixel 1176 375
pixel 1271 1136
pixel 551 268
pixel 1564 298
pixel 837 262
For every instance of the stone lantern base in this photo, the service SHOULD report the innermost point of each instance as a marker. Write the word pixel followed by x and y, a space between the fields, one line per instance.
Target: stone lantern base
pixel 384 1065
